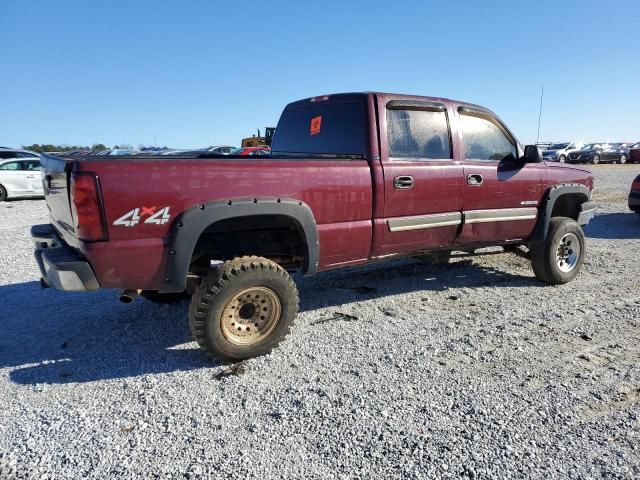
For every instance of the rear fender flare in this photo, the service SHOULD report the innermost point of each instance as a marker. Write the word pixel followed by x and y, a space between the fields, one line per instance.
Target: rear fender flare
pixel 190 224
pixel 548 201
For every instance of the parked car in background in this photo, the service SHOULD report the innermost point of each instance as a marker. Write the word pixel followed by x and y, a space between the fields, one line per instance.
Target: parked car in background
pixel 220 149
pixel 252 151
pixel 6 153
pixel 634 153
pixel 599 153
pixel 20 177
pixel 634 195
pixel 558 152
pixel 615 153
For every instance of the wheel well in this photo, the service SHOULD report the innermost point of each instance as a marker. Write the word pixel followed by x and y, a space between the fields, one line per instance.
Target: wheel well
pixel 568 205
pixel 277 237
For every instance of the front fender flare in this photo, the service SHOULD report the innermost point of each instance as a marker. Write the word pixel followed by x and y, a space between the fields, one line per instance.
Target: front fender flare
pixel 190 224
pixel 548 201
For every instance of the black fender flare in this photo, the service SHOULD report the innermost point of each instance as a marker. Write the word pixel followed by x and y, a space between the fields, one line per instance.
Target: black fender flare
pixel 548 201
pixel 190 224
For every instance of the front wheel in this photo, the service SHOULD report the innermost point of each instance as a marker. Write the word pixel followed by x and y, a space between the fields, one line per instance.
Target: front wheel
pixel 243 309
pixel 596 159
pixel 558 259
pixel 623 159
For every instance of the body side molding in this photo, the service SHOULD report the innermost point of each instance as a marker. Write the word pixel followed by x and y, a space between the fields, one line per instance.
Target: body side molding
pixel 424 221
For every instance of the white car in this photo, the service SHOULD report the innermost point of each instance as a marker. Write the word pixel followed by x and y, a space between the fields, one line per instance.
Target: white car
pixel 19 174
pixel 560 151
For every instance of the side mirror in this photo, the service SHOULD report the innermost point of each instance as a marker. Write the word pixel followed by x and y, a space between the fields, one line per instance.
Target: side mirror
pixel 532 154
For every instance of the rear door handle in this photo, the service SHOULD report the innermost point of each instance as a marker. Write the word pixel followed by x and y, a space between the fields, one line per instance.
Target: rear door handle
pixel 474 179
pixel 403 182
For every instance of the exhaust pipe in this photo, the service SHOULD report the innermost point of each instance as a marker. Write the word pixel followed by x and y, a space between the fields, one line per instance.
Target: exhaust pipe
pixel 129 296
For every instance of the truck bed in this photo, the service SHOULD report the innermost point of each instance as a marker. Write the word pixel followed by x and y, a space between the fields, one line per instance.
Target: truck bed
pixel 338 191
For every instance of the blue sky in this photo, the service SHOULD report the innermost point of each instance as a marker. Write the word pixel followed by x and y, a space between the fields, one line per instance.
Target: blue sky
pixel 198 73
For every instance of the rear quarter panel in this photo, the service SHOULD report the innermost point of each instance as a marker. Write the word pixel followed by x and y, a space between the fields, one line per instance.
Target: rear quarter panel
pixel 339 193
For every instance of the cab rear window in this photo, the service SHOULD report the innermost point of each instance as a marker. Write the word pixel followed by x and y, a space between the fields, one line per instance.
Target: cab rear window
pixel 322 128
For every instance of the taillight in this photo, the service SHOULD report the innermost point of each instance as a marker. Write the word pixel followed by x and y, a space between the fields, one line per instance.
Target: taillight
pixel 86 207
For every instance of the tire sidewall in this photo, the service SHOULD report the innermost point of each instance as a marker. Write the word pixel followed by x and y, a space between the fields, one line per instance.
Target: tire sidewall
pixel 565 226
pixel 3 193
pixel 280 285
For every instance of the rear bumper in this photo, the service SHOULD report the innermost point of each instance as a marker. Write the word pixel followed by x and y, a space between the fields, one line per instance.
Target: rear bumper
pixel 60 266
pixel 587 212
pixel 634 200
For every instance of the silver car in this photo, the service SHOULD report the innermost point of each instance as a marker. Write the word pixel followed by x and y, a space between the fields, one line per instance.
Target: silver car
pixel 19 174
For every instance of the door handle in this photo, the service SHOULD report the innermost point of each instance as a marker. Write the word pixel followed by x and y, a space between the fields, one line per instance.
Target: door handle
pixel 403 182
pixel 474 179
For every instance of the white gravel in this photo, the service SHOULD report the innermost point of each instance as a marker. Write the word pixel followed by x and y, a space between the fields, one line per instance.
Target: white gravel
pixel 473 370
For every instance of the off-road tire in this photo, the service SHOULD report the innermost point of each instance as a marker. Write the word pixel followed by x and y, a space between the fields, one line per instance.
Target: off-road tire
pixel 3 194
pixel 544 254
pixel 218 290
pixel 164 298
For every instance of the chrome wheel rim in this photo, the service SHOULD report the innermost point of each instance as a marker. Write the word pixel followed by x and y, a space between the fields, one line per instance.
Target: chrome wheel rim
pixel 568 252
pixel 562 158
pixel 250 315
pixel 623 159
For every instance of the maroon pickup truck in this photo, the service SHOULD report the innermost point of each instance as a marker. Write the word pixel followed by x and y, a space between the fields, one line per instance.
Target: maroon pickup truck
pixel 352 178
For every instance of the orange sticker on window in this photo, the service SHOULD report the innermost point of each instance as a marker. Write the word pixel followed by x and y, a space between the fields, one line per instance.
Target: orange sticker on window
pixel 316 122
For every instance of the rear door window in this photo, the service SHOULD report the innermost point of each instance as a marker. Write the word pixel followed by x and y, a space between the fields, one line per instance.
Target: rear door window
pixel 12 166
pixel 323 127
pixel 418 134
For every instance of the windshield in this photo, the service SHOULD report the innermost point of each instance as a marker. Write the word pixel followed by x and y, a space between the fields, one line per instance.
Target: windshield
pixel 589 146
pixel 635 145
pixel 558 146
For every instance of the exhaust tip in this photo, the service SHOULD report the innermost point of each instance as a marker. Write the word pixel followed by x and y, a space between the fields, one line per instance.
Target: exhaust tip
pixel 129 296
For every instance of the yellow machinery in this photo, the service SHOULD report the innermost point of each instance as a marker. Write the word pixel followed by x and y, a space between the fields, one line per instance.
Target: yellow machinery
pixel 259 141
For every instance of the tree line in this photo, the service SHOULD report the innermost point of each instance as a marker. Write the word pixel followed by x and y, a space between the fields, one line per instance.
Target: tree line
pixel 96 147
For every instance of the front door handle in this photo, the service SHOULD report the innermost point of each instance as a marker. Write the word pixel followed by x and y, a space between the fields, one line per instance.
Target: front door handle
pixel 474 179
pixel 403 182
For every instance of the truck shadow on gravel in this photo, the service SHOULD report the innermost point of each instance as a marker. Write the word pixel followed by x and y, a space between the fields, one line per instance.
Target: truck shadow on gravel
pixel 49 337
pixel 80 337
pixel 614 226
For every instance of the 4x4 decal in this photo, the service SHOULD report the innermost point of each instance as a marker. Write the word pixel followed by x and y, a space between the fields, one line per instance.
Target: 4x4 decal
pixel 154 216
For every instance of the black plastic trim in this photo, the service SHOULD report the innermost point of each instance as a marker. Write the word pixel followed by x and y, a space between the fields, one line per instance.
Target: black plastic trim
pixel 548 201
pixel 188 226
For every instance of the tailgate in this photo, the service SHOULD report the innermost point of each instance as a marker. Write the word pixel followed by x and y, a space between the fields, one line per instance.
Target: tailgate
pixel 55 176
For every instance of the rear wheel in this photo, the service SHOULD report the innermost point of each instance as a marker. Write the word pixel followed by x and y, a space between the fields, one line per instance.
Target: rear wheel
pixel 623 159
pixel 558 259
pixel 244 309
pixel 3 194
pixel 562 159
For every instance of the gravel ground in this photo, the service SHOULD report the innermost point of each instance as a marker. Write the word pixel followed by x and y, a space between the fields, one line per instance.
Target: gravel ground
pixel 472 370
